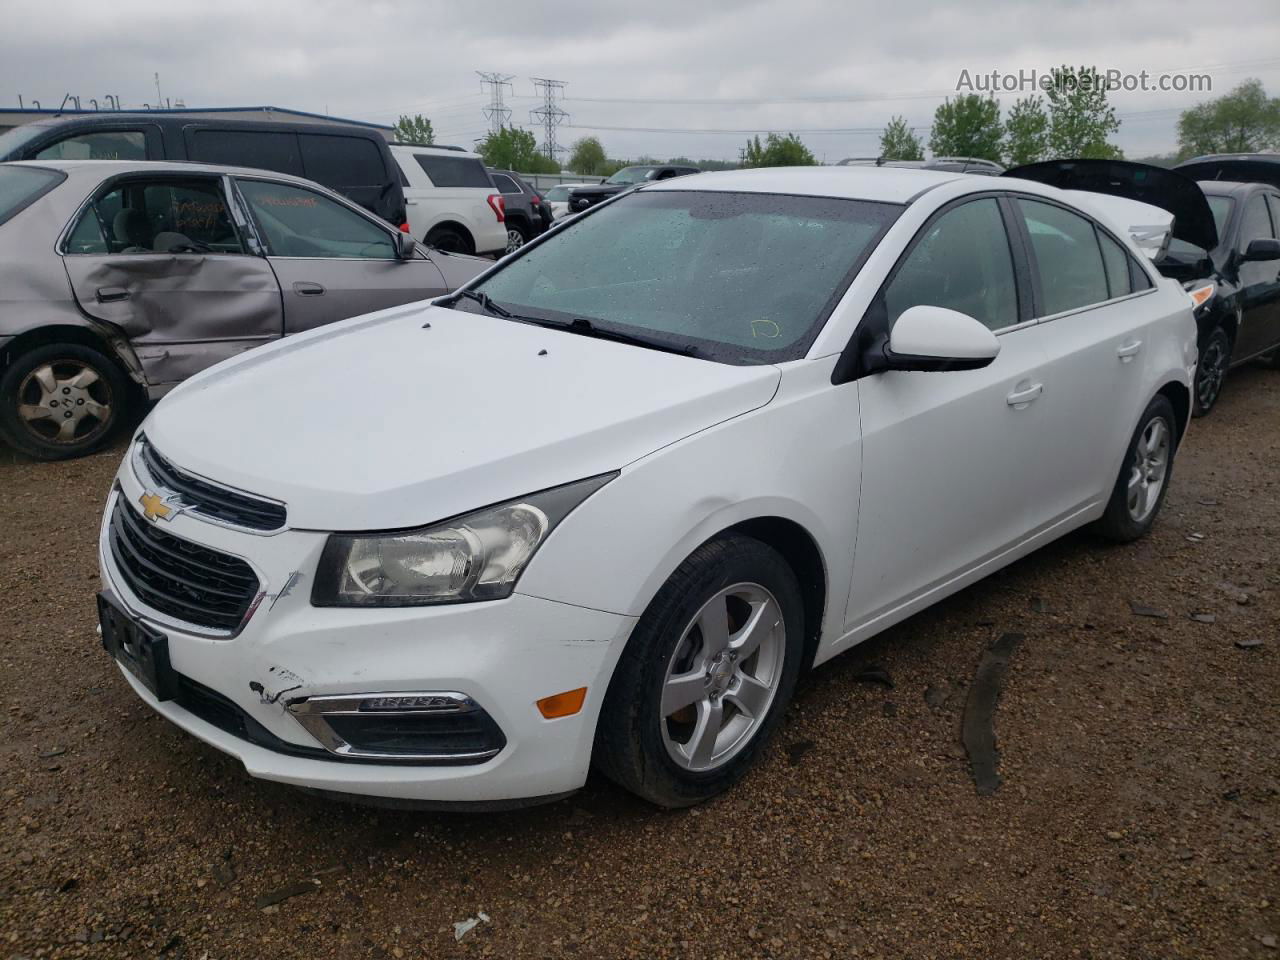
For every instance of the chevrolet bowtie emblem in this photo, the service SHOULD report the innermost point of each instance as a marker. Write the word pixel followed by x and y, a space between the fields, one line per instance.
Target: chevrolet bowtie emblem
pixel 155 508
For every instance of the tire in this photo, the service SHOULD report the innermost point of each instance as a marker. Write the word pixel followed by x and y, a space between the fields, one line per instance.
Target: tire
pixel 1211 371
pixel 449 240
pixel 517 236
pixel 656 754
pixel 61 401
pixel 1124 522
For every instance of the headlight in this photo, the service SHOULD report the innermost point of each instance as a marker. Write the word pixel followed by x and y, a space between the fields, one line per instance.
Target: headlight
pixel 478 556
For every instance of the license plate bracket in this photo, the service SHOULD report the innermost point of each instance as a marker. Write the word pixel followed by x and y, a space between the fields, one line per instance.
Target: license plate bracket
pixel 136 647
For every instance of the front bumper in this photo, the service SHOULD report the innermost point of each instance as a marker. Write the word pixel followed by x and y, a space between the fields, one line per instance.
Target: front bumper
pixel 504 655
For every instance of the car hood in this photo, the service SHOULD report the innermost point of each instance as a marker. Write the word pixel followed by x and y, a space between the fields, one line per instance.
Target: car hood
pixel 409 416
pixel 1174 192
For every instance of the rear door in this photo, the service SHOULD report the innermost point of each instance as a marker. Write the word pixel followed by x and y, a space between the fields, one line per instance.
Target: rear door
pixel 332 260
pixel 162 258
pixel 1259 284
pixel 1094 329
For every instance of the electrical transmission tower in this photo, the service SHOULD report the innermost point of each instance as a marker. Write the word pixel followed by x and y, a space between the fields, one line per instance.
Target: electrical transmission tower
pixel 550 115
pixel 497 112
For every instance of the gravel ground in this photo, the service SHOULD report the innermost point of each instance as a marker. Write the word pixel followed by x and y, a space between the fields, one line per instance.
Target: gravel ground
pixel 1139 813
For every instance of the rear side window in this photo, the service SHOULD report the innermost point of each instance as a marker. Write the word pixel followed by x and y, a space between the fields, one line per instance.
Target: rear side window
pixel 505 183
pixel 341 161
pixel 454 171
pixel 1067 255
pixel 1119 282
pixel 265 150
pixel 301 223
pixel 962 263
pixel 113 145
pixel 147 216
pixel 22 186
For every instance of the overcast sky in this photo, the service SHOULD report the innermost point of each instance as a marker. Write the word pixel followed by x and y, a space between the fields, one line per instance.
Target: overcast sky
pixel 678 66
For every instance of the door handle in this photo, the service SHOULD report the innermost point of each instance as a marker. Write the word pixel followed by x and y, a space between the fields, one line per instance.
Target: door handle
pixel 1021 397
pixel 304 288
pixel 1129 350
pixel 410 202
pixel 112 294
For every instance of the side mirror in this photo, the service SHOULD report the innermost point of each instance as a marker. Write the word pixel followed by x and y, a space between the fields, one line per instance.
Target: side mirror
pixel 406 246
pixel 935 338
pixel 1262 248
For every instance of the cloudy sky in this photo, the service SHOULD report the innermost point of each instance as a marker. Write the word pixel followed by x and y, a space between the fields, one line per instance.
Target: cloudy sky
pixel 660 77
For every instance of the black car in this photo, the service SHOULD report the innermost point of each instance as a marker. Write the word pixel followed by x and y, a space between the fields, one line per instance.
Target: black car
pixel 580 198
pixel 1223 247
pixel 525 217
pixel 355 161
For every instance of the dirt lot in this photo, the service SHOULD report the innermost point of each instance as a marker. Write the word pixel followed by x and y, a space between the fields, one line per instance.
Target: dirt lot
pixel 1139 814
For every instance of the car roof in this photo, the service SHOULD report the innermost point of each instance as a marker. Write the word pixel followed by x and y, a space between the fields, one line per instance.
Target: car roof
pixel 886 184
pixel 102 169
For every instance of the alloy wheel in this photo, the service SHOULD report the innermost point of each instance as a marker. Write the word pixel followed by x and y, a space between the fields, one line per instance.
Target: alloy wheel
pixel 64 402
pixel 722 677
pixel 1148 470
pixel 515 239
pixel 1210 374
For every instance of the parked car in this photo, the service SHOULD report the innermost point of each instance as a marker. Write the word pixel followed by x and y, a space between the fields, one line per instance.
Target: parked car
pixel 525 218
pixel 123 277
pixel 580 198
pixel 1222 246
pixel 976 165
pixel 719 434
pixel 354 161
pixel 558 198
pixel 453 202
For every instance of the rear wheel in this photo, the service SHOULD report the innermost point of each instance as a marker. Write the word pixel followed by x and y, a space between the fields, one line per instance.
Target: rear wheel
pixel 61 401
pixel 1211 371
pixel 1144 477
pixel 517 236
pixel 449 240
pixel 705 676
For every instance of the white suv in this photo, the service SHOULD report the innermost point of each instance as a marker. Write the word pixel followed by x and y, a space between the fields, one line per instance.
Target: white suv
pixel 452 202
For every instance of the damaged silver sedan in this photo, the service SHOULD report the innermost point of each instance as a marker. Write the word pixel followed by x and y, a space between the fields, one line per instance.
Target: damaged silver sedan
pixel 120 280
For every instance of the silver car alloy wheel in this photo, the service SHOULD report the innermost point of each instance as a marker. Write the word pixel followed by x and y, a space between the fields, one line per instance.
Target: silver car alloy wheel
pixel 65 401
pixel 1149 469
pixel 722 677
pixel 515 239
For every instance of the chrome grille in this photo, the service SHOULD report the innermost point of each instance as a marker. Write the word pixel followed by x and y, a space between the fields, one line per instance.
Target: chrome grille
pixel 184 580
pixel 208 499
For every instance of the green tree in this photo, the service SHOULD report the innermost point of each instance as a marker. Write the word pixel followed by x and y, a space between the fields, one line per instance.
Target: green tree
pixel 1245 120
pixel 514 149
pixel 777 151
pixel 1081 119
pixel 588 156
pixel 898 142
pixel 1026 132
pixel 415 129
pixel 968 126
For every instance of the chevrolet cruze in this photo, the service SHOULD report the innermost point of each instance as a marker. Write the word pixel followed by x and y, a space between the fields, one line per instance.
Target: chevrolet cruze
pixel 603 505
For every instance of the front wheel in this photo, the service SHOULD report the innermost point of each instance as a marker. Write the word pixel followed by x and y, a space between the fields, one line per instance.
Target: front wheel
pixel 705 676
pixel 61 401
pixel 1144 478
pixel 1211 371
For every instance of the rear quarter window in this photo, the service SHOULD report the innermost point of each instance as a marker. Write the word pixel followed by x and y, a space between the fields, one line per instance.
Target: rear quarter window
pixel 454 171
pixel 344 161
pixel 22 186
pixel 262 149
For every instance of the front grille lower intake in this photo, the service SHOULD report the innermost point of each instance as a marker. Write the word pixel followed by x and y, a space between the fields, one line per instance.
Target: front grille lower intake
pixel 184 580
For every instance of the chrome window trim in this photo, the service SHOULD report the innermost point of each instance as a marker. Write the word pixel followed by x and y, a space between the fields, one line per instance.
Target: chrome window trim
pixel 1094 306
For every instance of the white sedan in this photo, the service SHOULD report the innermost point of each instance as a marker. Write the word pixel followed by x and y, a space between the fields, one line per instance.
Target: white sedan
pixel 605 505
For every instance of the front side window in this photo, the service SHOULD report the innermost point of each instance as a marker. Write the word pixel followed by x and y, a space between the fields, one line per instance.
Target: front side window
pixel 263 149
pixel 147 216
pixel 737 277
pixel 1256 225
pixel 962 263
pixel 114 145
pixel 296 222
pixel 1067 255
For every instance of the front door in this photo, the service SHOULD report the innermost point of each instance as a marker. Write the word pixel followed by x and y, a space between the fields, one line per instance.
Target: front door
pixel 1259 285
pixel 950 459
pixel 332 260
pixel 160 258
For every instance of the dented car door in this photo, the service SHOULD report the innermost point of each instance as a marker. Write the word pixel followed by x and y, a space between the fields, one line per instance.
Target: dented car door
pixel 162 258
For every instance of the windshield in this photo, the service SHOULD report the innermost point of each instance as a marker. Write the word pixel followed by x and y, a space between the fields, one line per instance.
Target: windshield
pixel 631 175
pixel 1221 209
pixel 19 186
pixel 735 277
pixel 558 194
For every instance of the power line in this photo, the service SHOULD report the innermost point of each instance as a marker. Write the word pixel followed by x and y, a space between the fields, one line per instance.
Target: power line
pixel 497 113
pixel 550 115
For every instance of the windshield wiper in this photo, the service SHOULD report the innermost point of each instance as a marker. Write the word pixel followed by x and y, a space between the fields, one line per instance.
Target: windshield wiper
pixel 484 300
pixel 584 327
